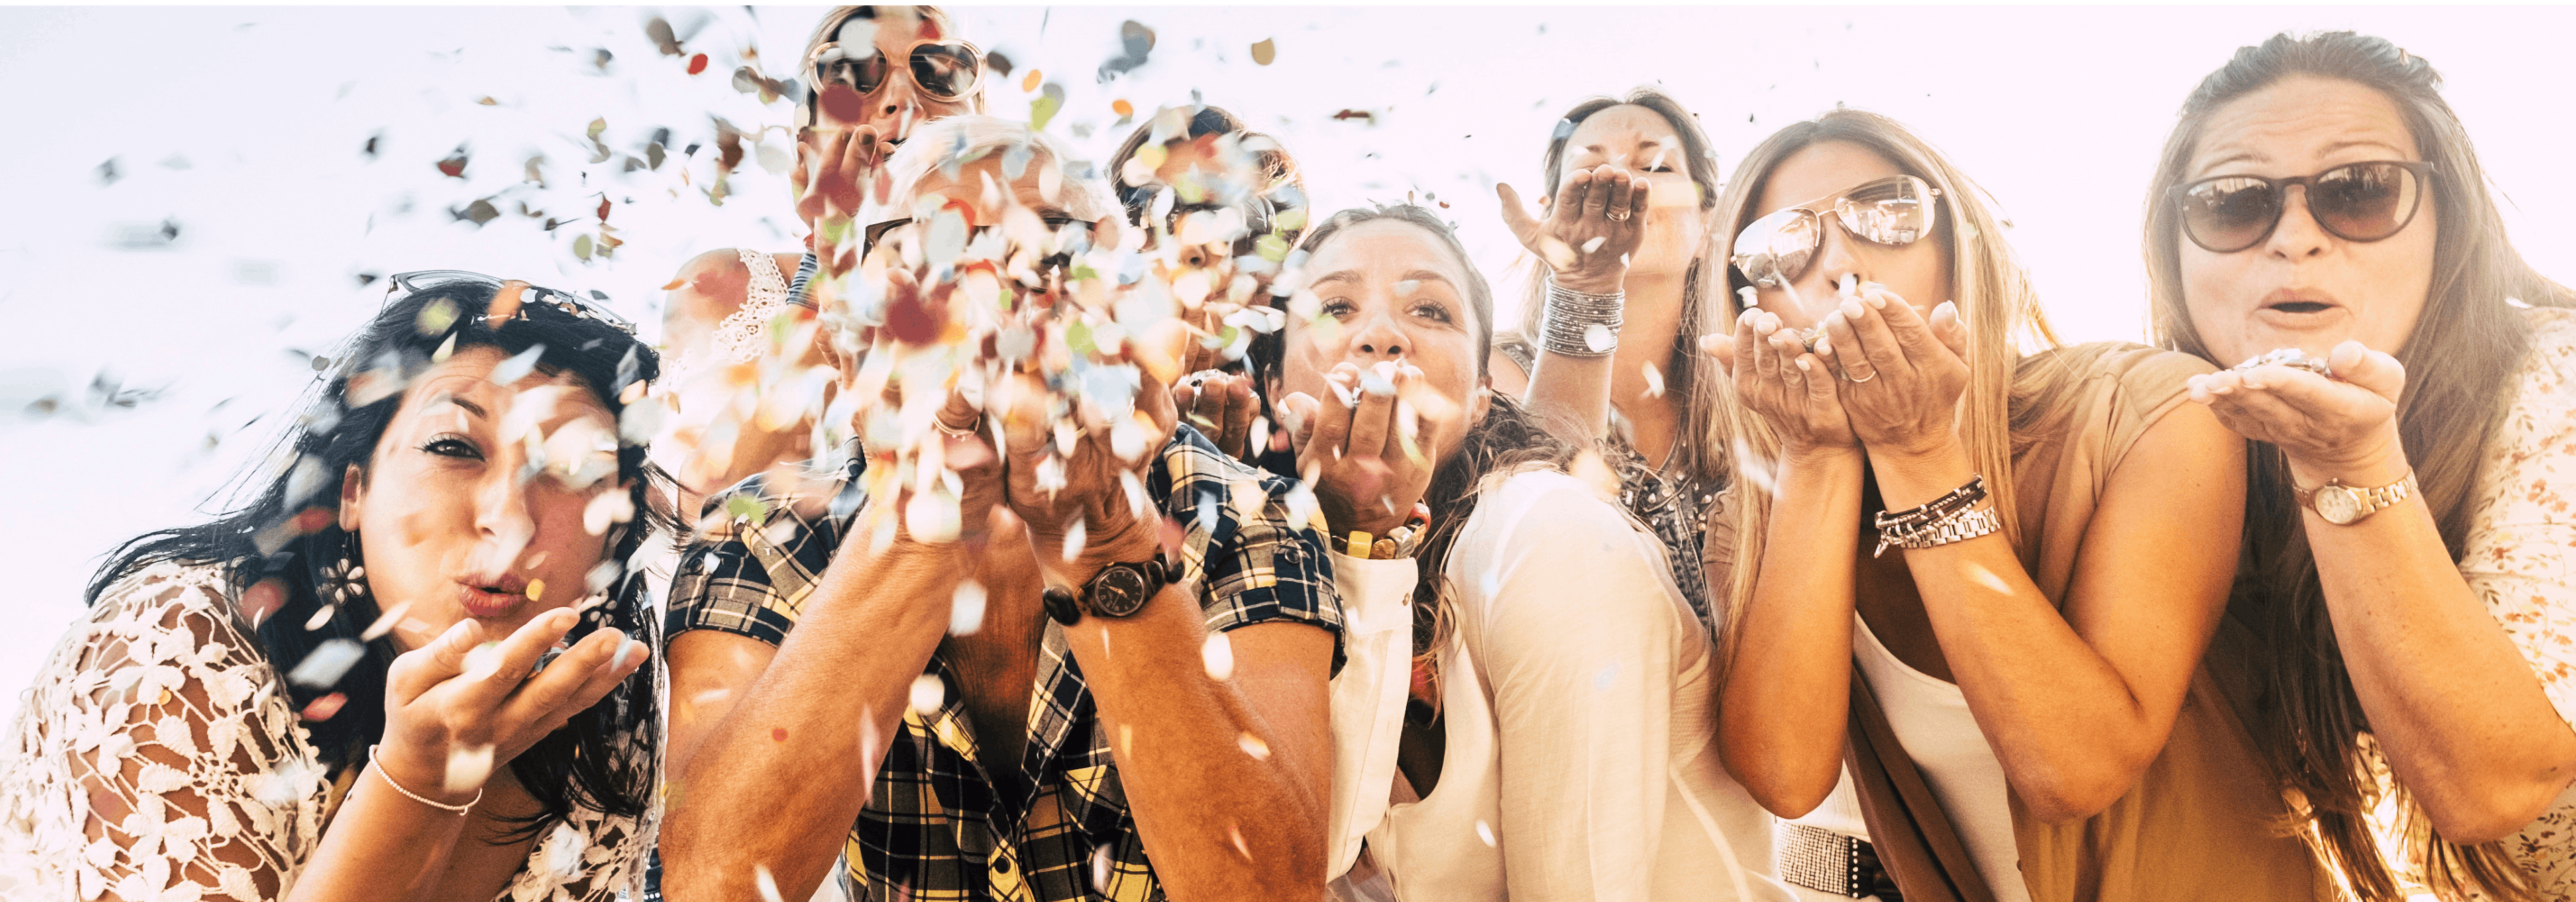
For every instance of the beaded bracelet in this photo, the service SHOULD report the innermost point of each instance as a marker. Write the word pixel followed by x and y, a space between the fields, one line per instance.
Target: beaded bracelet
pixel 1581 324
pixel 460 810
pixel 1950 504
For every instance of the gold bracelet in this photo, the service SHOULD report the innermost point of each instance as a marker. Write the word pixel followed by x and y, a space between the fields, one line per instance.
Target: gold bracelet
pixel 460 810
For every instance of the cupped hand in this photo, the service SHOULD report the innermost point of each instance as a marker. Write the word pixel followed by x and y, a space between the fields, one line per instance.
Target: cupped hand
pixel 2334 427
pixel 1903 373
pixel 1370 448
pixel 1595 222
pixel 1778 379
pixel 1220 405
pixel 1082 472
pixel 466 703
pixel 834 169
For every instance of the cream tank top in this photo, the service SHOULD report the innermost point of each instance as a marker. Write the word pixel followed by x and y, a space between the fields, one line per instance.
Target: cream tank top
pixel 1931 720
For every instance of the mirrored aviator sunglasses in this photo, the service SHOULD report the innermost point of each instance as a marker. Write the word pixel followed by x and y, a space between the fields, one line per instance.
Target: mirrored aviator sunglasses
pixel 947 70
pixel 1894 211
pixel 529 299
pixel 2360 202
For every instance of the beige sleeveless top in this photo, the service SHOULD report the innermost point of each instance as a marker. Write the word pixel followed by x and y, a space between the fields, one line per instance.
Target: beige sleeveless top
pixel 2203 821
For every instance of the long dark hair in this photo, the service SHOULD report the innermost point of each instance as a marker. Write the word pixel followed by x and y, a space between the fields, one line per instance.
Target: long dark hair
pixel 2445 418
pixel 1265 206
pixel 288 533
pixel 1693 378
pixel 1507 440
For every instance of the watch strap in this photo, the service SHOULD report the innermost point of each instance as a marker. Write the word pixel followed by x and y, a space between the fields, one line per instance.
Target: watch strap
pixel 2373 499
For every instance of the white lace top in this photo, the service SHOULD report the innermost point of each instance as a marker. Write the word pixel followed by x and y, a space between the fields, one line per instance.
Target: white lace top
pixel 156 758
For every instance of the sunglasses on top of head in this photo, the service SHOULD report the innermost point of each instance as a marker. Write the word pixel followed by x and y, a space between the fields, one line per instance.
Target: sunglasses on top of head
pixel 1894 211
pixel 533 299
pixel 946 69
pixel 2361 202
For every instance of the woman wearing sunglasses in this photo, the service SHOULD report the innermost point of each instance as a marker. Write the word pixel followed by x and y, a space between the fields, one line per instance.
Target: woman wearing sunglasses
pixel 872 74
pixel 2320 215
pixel 1555 742
pixel 407 668
pixel 2010 562
pixel 1626 268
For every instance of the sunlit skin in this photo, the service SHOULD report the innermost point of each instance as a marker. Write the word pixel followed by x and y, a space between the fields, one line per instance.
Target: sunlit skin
pixel 1812 178
pixel 2075 695
pixel 449 530
pixel 899 105
pixel 2465 724
pixel 1641 142
pixel 1388 293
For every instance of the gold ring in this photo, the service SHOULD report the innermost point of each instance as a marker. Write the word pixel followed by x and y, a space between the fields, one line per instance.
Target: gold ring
pixel 1621 216
pixel 967 431
pixel 1873 374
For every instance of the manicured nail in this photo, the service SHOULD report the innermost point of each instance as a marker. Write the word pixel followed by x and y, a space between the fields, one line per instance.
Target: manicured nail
pixel 1851 309
pixel 1824 346
pixel 1802 365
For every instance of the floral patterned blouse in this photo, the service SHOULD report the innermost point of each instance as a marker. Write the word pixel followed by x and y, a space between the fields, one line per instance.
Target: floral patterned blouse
pixel 2521 559
pixel 157 758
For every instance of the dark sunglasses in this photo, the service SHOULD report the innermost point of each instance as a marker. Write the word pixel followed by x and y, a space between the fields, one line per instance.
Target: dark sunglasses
pixel 535 299
pixel 1894 211
pixel 2355 202
pixel 947 70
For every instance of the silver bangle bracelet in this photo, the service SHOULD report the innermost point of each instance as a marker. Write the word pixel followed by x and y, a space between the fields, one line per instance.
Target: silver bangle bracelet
pixel 1581 324
pixel 1957 527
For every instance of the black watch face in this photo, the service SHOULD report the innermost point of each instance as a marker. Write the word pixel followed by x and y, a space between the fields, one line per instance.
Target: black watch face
pixel 1119 591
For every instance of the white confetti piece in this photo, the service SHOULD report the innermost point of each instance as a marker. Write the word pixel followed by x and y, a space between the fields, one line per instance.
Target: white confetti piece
pixel 966 609
pixel 1074 537
pixel 1598 337
pixel 326 663
pixel 927 694
pixel 1252 745
pixel 483 661
pixel 1485 831
pixel 1595 243
pixel 1218 654
pixel 1977 573
pixel 1654 380
pixel 320 617
pixel 385 623
pixel 468 768
pixel 768 885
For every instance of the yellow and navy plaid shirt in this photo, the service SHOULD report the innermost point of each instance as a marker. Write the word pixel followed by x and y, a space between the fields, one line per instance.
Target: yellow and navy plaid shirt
pixel 935 826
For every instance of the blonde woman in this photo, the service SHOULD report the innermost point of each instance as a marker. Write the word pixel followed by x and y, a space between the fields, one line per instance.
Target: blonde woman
pixel 2011 562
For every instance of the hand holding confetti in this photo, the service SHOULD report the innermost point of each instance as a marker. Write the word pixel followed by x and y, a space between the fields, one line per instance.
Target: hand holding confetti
pixel 462 705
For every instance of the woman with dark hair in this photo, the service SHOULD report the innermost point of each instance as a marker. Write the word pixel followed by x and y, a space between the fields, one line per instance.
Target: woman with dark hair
pixel 1547 750
pixel 1626 273
pixel 2008 555
pixel 2320 215
pixel 327 693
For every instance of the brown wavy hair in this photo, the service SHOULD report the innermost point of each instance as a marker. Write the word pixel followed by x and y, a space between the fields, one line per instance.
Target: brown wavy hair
pixel 2312 722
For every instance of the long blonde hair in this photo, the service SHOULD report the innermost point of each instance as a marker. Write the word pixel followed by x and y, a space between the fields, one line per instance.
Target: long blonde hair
pixel 1993 293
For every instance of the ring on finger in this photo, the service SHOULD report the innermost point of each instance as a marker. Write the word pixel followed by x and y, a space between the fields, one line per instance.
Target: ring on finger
pixel 1873 374
pixel 1616 215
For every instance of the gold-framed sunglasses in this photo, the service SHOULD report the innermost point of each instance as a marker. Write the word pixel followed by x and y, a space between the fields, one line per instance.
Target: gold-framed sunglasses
pixel 1894 211
pixel 946 68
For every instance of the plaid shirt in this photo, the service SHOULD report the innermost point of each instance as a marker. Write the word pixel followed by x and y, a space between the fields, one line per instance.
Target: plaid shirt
pixel 935 827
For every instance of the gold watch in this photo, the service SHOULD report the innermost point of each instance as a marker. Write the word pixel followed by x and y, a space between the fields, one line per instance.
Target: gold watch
pixel 2344 505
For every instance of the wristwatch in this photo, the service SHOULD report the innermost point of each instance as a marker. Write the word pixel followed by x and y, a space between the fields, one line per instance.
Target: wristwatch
pixel 1118 590
pixel 2344 505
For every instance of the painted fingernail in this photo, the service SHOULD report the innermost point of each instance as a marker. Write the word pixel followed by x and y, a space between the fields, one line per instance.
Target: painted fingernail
pixel 1803 367
pixel 1824 346
pixel 1949 307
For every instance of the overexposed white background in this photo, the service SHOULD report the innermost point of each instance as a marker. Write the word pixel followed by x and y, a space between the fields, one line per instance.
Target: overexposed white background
pixel 138 371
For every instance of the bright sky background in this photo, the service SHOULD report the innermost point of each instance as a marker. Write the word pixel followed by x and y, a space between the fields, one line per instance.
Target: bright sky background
pixel 246 128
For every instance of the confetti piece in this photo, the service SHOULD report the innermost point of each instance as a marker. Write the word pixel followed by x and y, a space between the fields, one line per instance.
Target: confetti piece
pixel 1485 831
pixel 1596 243
pixel 1235 832
pixel 384 624
pixel 320 617
pixel 927 694
pixel 1030 81
pixel 1597 337
pixel 767 884
pixel 966 609
pixel 323 708
pixel 1654 380
pixel 1122 107
pixel 697 64
pixel 778 734
pixel 1977 573
pixel 468 768
pixel 536 590
pixel 483 661
pixel 1264 52
pixel 1252 745
pixel 1074 537
pixel 1218 654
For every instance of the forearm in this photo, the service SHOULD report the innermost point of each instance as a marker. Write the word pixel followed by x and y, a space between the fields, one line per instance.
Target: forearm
pixel 824 710
pixel 2457 708
pixel 1572 390
pixel 2070 730
pixel 1793 644
pixel 1222 816
pixel 384 845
